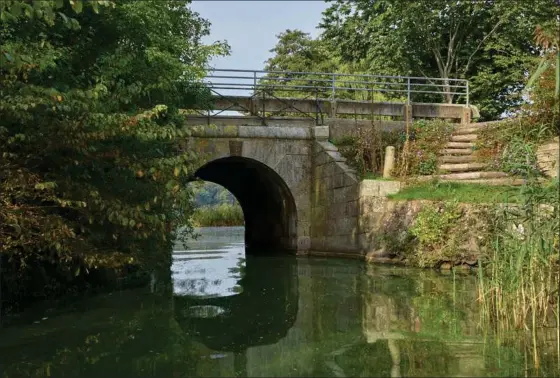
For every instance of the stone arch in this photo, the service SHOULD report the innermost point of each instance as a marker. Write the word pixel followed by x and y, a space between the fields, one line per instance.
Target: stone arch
pixel 268 205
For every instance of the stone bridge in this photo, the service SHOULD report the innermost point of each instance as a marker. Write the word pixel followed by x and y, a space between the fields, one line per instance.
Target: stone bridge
pixel 296 190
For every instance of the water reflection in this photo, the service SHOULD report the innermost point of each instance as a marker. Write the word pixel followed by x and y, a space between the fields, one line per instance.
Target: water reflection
pixel 290 317
pixel 212 265
pixel 260 314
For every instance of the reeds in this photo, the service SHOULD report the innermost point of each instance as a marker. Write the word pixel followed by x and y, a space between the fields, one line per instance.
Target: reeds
pixel 222 215
pixel 518 284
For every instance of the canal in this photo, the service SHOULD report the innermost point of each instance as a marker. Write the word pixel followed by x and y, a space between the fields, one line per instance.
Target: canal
pixel 227 314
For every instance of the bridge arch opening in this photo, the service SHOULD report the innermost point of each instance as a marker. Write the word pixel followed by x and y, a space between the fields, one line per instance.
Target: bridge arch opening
pixel 268 205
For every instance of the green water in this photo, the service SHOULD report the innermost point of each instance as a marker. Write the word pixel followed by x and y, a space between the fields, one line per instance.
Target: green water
pixel 225 314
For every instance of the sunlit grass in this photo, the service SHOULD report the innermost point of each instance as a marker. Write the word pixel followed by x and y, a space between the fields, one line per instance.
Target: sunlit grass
pixel 450 191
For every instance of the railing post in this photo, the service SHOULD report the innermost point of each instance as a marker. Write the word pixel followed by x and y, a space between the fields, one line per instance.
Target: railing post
pixel 255 80
pixel 316 107
pixel 263 108
pixel 333 98
pixel 467 93
pixel 408 90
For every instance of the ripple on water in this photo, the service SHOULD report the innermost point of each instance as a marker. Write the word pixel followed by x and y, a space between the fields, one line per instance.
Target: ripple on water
pixel 211 265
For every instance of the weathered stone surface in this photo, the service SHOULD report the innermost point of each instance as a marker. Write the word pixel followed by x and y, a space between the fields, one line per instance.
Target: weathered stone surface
pixel 321 159
pixel 325 146
pixel 335 202
pixel 352 208
pixel 333 212
pixel 346 225
pixel 369 188
pixel 340 128
pixel 321 132
pixel 389 187
pixel 275 132
pixel 338 180
pixel 214 131
pixel 384 225
pixel 389 161
pixel 336 156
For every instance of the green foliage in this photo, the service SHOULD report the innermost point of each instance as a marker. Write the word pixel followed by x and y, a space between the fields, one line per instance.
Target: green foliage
pixel 365 151
pixel 489 43
pixel 298 53
pixel 426 140
pixel 451 191
pixel 92 168
pixel 511 146
pixel 210 194
pixel 518 282
pixel 431 227
pixel 222 215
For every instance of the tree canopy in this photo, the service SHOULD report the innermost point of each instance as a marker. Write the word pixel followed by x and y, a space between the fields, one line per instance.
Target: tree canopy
pixel 92 169
pixel 490 43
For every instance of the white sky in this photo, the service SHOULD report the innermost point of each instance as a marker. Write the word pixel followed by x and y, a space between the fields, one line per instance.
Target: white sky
pixel 250 27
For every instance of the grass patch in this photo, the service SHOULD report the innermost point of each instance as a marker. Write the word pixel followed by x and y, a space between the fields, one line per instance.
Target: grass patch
pixel 450 191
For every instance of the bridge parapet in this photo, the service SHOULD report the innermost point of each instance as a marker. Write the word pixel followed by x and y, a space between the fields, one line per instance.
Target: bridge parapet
pixel 407 89
pixel 322 108
pixel 320 96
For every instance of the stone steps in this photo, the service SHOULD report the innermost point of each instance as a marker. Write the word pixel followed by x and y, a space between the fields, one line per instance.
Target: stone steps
pixel 459 145
pixel 456 151
pixel 475 125
pixel 466 176
pixel 462 167
pixel 492 181
pixel 457 162
pixel 465 130
pixel 464 137
pixel 450 159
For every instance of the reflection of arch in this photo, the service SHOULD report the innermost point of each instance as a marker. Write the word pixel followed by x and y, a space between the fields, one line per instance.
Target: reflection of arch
pixel 267 202
pixel 261 315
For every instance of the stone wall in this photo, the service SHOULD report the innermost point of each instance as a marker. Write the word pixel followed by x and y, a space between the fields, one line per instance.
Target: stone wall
pixel 384 228
pixel 340 128
pixel 334 202
pixel 548 157
pixel 373 207
pixel 287 151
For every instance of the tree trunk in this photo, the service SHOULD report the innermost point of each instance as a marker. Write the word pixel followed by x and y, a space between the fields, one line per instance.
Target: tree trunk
pixel 447 96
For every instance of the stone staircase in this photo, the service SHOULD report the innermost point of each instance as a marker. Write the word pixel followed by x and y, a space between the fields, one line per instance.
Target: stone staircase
pixel 457 161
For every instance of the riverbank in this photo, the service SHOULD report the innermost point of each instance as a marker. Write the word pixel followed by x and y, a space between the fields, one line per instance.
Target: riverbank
pixel 222 215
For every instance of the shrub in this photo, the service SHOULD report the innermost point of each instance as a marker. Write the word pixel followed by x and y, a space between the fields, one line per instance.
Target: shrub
pixel 426 139
pixel 431 229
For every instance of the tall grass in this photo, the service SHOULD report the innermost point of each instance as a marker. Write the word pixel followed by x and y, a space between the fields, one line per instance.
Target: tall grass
pixel 222 215
pixel 518 284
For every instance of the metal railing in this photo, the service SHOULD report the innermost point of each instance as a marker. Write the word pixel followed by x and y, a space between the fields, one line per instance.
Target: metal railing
pixel 338 85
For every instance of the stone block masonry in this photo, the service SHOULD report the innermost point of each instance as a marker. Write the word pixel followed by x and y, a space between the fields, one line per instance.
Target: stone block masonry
pixel 334 205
